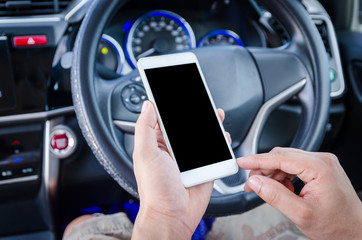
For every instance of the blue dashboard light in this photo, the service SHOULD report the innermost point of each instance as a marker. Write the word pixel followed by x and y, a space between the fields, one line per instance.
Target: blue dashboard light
pixel 127 26
pixel 91 210
pixel 203 229
pixel 131 208
pixel 17 160
pixel 220 37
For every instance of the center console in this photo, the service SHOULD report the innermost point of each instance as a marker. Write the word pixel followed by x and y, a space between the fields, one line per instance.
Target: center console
pixel 30 48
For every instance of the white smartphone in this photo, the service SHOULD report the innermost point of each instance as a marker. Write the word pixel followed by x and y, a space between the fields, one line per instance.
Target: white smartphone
pixel 187 116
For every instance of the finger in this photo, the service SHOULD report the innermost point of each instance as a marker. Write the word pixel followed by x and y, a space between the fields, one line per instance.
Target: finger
pixel 145 135
pixel 295 162
pixel 247 188
pixel 221 114
pixel 161 141
pixel 274 174
pixel 228 137
pixel 277 195
pixel 261 172
pixel 288 184
pixel 279 175
pixel 222 118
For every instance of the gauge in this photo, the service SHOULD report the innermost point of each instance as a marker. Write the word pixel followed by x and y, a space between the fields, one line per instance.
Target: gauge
pixel 157 33
pixel 110 54
pixel 220 37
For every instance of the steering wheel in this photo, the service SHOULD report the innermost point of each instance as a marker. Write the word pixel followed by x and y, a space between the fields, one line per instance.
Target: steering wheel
pixel 248 83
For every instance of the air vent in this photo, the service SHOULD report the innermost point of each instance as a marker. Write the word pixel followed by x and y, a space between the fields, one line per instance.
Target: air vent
pixel 279 29
pixel 277 34
pixel 323 31
pixel 63 4
pixel 31 7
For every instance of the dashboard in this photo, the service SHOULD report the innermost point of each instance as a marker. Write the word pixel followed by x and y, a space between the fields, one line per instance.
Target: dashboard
pixel 135 33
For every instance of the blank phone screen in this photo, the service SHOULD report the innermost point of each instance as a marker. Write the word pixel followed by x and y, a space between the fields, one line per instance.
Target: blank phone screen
pixel 188 117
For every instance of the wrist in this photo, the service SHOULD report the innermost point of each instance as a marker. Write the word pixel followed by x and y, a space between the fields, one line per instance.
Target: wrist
pixel 150 224
pixel 359 229
pixel 355 231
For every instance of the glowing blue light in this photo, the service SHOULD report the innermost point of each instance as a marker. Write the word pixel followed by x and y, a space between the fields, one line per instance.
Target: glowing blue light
pixel 91 210
pixel 127 26
pixel 203 228
pixel 131 209
pixel 223 32
pixel 17 160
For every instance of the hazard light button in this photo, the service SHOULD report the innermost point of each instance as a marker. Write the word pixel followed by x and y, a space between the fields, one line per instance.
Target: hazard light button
pixel 63 141
pixel 30 41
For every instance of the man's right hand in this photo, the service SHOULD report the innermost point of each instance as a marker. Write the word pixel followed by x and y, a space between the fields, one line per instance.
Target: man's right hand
pixel 326 208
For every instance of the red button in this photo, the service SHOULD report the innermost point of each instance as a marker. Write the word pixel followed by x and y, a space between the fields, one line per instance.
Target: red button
pixel 28 41
pixel 59 142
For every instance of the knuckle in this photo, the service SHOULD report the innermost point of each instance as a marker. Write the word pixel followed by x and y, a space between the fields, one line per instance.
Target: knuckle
pixel 277 150
pixel 279 154
pixel 330 159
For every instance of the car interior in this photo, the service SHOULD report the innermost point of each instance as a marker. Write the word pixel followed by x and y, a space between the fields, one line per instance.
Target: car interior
pixel 286 73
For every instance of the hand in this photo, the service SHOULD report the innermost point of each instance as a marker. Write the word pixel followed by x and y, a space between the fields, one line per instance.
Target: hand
pixel 167 209
pixel 326 208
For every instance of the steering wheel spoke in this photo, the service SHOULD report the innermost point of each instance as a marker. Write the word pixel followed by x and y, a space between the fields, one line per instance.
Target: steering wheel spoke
pixel 250 143
pixel 125 126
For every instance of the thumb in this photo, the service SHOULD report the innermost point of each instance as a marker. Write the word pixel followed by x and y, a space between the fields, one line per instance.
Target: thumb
pixel 277 195
pixel 145 136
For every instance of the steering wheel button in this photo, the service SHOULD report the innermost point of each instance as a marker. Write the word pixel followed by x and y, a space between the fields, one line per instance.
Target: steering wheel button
pixel 135 99
pixel 136 79
pixel 133 96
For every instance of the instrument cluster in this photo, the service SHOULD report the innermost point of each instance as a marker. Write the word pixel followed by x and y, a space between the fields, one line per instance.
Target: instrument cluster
pixel 155 33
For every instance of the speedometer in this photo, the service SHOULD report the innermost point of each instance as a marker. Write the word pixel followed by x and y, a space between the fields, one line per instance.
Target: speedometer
pixel 220 37
pixel 157 33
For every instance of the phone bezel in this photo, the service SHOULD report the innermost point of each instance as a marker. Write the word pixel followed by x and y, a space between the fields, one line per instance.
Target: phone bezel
pixel 197 175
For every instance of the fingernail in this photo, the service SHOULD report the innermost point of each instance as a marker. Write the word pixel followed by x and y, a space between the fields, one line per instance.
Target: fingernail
pixel 144 106
pixel 254 183
pixel 240 161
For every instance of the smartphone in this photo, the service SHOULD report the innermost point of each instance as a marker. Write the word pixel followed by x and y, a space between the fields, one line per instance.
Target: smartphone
pixel 187 116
